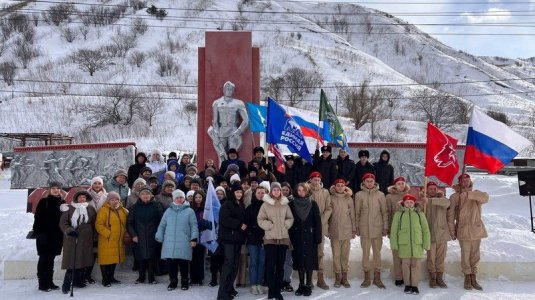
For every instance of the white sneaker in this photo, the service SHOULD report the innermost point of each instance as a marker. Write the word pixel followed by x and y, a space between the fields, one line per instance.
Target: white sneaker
pixel 254 290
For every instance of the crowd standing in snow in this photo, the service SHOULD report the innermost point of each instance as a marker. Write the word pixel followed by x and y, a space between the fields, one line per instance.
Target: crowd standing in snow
pixel 270 224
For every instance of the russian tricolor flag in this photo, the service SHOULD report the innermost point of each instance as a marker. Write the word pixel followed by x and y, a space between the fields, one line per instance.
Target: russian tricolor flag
pixel 490 144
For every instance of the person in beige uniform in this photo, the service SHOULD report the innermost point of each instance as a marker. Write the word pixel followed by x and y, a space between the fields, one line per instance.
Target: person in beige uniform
pixel 393 204
pixel 322 198
pixel 371 217
pixel 465 224
pixel 342 228
pixel 436 210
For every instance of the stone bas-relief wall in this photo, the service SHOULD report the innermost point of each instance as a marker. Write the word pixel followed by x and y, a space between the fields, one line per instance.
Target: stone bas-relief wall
pixel 71 167
pixel 408 160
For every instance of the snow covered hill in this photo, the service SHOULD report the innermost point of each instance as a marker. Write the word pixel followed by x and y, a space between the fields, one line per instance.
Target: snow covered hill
pixel 346 44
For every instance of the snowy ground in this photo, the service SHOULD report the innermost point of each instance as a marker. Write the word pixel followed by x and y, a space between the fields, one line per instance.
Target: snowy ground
pixel 506 217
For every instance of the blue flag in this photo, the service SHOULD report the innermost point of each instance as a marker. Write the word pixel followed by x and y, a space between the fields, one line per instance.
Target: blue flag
pixel 257 117
pixel 282 129
pixel 211 214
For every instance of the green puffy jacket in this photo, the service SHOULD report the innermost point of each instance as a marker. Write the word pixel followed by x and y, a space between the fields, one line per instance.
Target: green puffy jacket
pixel 409 233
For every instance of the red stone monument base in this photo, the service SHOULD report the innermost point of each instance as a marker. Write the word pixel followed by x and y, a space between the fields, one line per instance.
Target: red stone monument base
pixel 227 56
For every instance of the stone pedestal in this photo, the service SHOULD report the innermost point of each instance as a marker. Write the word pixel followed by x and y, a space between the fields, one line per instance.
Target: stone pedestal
pixel 227 56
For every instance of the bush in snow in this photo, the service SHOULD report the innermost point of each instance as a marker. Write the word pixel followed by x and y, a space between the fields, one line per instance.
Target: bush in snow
pixel 84 30
pixel 91 60
pixel 16 22
pixel 139 26
pixel 121 43
pixel 60 13
pixel 8 70
pixel 120 106
pixel 24 51
pixel 136 58
pixel 166 65
pixel 499 116
pixel 68 34
pixel 190 111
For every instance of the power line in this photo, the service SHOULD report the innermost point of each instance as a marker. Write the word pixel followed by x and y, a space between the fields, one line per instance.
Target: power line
pixel 403 2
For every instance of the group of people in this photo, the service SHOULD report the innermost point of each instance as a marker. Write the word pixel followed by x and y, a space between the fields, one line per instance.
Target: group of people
pixel 270 224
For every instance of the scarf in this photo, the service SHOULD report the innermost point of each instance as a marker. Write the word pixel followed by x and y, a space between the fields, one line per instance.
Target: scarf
pixel 302 207
pixel 79 215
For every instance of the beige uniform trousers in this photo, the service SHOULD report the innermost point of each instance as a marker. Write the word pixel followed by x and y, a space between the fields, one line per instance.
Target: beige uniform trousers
pixel 436 256
pixel 375 244
pixel 470 256
pixel 340 249
pixel 396 261
pixel 411 271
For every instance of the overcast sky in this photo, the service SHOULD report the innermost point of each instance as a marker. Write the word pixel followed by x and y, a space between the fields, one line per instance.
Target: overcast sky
pixel 478 15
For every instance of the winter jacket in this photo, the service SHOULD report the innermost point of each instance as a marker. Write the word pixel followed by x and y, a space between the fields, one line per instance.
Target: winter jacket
pixel 231 218
pixel 177 229
pixel 86 234
pixel 342 221
pixel 305 235
pixel 275 217
pixel 370 212
pixel 346 169
pixel 164 199
pixel 289 176
pixel 327 167
pixel 360 170
pixel 464 216
pixel 132 199
pixel 122 189
pixel 384 172
pixel 322 197
pixel 135 170
pixel 46 226
pixel 179 177
pixel 143 221
pixel 436 213
pixel 111 227
pixel 98 199
pixel 393 201
pixel 157 167
pixel 238 162
pixel 304 169
pixel 255 234
pixel 410 233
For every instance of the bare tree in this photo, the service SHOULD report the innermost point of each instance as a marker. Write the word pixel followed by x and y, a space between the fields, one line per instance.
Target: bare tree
pixel 84 30
pixel 68 34
pixel 166 65
pixel 60 13
pixel 8 70
pixel 300 82
pixel 150 108
pixel 136 58
pixel 361 102
pixel 434 106
pixel 91 60
pixel 123 43
pixel 139 26
pixel 24 51
pixel 119 108
pixel 190 111
pixel 273 87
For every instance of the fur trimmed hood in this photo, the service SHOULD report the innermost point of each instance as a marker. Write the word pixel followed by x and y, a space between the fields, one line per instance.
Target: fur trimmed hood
pixel 267 199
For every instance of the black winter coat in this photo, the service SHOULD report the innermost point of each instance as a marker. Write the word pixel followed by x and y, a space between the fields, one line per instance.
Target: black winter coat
pixel 303 171
pixel 143 221
pixel 346 169
pixel 305 236
pixel 238 162
pixel 255 234
pixel 384 173
pixel 290 176
pixel 46 226
pixel 231 218
pixel 134 170
pixel 327 168
pixel 360 170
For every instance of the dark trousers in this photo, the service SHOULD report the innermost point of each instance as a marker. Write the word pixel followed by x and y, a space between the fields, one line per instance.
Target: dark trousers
pixel 275 256
pixel 231 254
pixel 146 265
pixel 196 271
pixel 173 266
pixel 216 264
pixel 45 270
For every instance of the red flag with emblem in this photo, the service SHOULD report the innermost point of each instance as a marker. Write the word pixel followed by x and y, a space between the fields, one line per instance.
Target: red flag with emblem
pixel 440 155
pixel 281 166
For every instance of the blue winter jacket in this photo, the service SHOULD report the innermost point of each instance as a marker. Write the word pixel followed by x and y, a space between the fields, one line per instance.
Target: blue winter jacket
pixel 177 229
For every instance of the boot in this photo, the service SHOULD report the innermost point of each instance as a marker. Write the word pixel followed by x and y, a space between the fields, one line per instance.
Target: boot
pixel 337 278
pixel 321 282
pixel 51 284
pixel 345 283
pixel 440 280
pixel 377 280
pixel 474 283
pixel 172 285
pixel 213 282
pixel 79 281
pixel 467 282
pixel 112 274
pixel 87 275
pixel 300 290
pixel 432 280
pixel 308 291
pixel 105 277
pixel 43 283
pixel 399 282
pixel 66 287
pixel 367 281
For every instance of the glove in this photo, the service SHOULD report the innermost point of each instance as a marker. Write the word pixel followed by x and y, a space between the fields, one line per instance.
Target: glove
pixel 73 234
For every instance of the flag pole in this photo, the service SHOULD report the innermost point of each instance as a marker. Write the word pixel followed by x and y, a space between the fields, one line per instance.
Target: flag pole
pixel 426 179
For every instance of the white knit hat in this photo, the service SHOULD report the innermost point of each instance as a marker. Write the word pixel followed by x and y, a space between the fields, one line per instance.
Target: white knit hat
pixel 178 194
pixel 156 151
pixel 97 179
pixel 220 188
pixel 190 193
pixel 234 178
pixel 266 185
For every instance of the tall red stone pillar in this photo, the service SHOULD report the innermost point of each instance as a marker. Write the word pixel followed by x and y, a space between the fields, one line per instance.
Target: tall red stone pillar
pixel 226 56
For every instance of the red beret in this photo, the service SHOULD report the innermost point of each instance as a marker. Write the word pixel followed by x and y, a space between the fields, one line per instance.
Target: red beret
pixel 400 178
pixel 432 183
pixel 409 197
pixel 368 175
pixel 314 175
pixel 463 176
pixel 339 180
